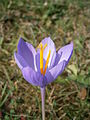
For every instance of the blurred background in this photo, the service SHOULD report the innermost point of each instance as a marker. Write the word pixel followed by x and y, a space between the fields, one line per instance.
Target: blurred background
pixel 68 98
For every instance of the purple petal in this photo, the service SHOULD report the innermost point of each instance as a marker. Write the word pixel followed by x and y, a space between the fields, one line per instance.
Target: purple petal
pixel 34 53
pixel 37 57
pixel 50 46
pixel 57 59
pixel 65 53
pixel 53 73
pixel 27 51
pixel 20 61
pixel 35 78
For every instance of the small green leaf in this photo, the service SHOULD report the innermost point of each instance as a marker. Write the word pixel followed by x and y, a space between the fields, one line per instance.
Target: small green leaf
pixel 73 69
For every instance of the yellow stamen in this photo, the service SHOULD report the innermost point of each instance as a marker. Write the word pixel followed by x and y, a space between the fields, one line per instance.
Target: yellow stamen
pixel 44 46
pixel 47 61
pixel 41 55
pixel 41 58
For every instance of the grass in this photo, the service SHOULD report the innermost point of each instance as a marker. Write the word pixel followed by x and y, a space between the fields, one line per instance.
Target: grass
pixel 68 98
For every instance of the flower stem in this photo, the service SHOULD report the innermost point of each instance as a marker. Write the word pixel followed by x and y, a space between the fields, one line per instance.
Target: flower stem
pixel 43 102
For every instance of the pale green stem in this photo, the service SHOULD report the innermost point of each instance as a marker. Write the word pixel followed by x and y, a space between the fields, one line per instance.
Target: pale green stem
pixel 43 102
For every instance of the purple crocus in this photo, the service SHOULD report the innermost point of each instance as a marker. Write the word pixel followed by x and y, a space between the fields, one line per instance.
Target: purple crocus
pixel 43 66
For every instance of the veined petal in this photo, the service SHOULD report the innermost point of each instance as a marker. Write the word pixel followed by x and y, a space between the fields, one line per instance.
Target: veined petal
pixel 33 77
pixel 37 57
pixel 53 73
pixel 20 61
pixel 31 48
pixel 50 46
pixel 65 53
pixel 27 51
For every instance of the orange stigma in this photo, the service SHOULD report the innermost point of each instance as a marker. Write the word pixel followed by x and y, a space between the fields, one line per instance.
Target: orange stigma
pixel 42 48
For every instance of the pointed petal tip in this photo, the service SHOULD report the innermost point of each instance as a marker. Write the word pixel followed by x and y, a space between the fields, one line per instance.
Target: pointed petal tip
pixel 20 40
pixel 48 37
pixel 70 45
pixel 20 43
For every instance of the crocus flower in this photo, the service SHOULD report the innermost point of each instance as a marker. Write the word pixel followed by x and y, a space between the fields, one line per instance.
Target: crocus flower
pixel 43 66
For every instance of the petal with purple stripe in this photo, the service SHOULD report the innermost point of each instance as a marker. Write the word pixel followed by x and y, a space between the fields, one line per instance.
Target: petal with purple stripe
pixel 33 77
pixel 50 46
pixel 20 61
pixel 26 51
pixel 65 52
pixel 53 73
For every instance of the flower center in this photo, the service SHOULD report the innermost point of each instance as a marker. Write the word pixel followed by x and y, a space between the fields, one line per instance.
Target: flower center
pixel 42 48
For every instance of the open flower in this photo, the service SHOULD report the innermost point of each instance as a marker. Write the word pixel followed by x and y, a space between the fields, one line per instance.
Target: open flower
pixel 41 67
